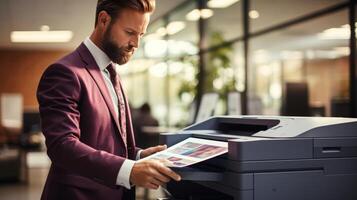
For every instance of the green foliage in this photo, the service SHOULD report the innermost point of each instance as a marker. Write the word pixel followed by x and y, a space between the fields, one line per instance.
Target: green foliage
pixel 189 86
pixel 216 67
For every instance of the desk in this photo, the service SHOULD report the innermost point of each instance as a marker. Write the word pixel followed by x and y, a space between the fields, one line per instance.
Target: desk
pixel 10 164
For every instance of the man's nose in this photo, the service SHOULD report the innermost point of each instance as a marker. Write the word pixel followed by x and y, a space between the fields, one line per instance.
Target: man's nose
pixel 134 42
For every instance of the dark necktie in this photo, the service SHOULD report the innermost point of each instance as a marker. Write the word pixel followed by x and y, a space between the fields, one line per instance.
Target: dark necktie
pixel 116 84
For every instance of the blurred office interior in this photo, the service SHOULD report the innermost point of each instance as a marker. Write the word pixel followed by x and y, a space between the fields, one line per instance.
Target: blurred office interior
pixel 281 57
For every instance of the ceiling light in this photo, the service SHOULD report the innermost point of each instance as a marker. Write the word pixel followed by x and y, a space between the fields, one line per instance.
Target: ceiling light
pixel 41 36
pixel 325 54
pixel 155 48
pixel 171 29
pixel 253 14
pixel 161 31
pixel 335 34
pixel 206 13
pixel 45 28
pixel 347 25
pixel 175 27
pixel 221 3
pixel 341 33
pixel 343 51
pixel 195 14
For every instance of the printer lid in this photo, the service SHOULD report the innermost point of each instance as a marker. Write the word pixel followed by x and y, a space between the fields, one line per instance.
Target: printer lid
pixel 276 126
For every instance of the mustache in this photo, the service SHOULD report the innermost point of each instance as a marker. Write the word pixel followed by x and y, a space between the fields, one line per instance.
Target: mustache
pixel 129 49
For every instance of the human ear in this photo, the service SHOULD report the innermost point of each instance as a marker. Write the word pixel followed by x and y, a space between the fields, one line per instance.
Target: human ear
pixel 104 19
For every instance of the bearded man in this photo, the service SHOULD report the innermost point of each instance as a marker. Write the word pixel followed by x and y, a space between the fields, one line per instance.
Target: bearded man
pixel 85 114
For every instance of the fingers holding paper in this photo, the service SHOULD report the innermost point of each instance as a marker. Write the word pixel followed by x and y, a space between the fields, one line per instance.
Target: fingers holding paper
pixel 151 174
pixel 151 150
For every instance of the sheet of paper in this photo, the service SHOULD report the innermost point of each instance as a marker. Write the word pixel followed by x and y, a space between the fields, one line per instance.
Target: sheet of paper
pixel 190 151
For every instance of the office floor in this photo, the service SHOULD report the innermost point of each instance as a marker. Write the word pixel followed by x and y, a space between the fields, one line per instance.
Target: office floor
pixel 37 173
pixel 21 191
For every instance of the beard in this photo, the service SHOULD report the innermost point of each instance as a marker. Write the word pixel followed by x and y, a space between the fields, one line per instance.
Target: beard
pixel 117 54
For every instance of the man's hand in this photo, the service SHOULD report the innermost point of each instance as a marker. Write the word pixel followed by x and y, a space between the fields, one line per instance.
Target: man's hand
pixel 151 174
pixel 151 150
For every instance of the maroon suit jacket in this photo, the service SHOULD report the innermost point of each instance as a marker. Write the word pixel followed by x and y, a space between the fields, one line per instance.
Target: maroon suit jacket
pixel 82 131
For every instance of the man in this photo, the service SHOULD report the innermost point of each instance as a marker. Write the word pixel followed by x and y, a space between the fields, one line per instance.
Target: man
pixel 85 114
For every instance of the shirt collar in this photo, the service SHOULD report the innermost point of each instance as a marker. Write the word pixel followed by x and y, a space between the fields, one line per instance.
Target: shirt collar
pixel 100 57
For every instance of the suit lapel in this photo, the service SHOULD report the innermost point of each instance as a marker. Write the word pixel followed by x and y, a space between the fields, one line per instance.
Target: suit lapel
pixel 95 73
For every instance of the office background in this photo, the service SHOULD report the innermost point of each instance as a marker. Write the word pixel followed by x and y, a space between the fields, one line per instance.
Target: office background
pixel 266 50
pixel 283 57
pixel 254 47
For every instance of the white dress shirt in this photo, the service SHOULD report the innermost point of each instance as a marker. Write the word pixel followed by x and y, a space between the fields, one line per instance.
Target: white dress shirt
pixel 103 61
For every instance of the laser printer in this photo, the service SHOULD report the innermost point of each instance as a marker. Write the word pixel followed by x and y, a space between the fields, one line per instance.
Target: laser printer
pixel 271 158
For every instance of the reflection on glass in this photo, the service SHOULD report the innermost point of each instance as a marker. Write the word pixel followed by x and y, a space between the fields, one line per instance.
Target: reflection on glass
pixel 133 75
pixel 238 67
pixel 196 14
pixel 299 54
pixel 168 71
pixel 155 30
pixel 182 33
pixel 168 86
pixel 221 3
pixel 224 72
pixel 156 81
pixel 264 14
pixel 226 20
pixel 183 82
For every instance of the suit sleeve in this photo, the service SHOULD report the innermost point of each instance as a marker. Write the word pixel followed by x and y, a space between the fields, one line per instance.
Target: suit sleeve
pixel 59 95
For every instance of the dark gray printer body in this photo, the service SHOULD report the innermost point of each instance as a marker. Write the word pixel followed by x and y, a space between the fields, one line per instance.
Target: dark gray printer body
pixel 277 158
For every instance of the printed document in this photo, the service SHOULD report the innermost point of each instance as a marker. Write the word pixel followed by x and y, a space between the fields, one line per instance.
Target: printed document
pixel 190 151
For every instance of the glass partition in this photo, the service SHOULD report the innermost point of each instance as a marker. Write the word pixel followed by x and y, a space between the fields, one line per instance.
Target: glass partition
pixel 225 21
pixel 303 66
pixel 264 14
pixel 224 72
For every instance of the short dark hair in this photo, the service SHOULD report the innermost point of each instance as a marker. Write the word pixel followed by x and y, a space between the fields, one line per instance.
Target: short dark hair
pixel 145 108
pixel 113 7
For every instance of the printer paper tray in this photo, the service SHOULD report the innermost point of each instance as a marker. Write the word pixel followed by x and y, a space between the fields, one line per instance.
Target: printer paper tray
pixel 195 174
